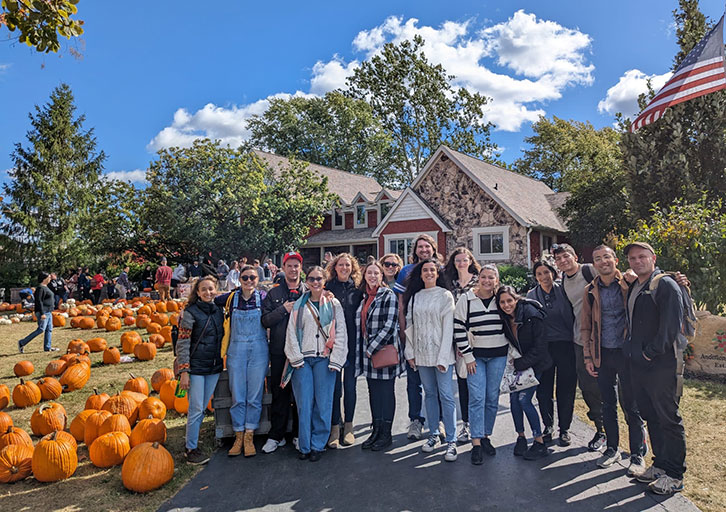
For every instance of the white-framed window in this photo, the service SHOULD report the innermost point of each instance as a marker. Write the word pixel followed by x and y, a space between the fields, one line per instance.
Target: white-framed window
pixel 402 243
pixel 491 243
pixel 338 219
pixel 361 217
pixel 384 207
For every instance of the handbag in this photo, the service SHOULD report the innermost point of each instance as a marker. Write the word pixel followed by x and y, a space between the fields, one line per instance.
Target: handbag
pixel 514 380
pixel 384 357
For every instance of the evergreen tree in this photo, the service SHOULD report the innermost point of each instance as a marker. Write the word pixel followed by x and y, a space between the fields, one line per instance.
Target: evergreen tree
pixel 52 188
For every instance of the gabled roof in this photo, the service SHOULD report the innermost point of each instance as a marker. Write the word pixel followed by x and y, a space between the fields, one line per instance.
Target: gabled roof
pixel 524 198
pixel 345 185
pixel 411 194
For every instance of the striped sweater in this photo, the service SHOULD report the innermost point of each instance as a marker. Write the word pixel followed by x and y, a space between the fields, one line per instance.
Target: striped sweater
pixel 485 325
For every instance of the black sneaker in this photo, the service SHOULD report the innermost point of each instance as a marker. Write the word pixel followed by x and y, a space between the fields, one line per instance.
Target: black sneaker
pixel 536 451
pixel 303 456
pixel 196 457
pixel 520 447
pixel 315 455
pixel 565 439
pixel 486 445
pixel 477 457
pixel 547 435
pixel 597 442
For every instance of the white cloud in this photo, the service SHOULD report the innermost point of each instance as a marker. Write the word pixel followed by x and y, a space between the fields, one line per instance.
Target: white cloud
pixel 331 75
pixel 623 96
pixel 135 176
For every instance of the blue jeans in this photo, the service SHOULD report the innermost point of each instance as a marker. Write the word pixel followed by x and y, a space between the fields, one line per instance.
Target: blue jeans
pixel 413 390
pixel 484 394
pixel 438 387
pixel 45 325
pixel 313 386
pixel 201 389
pixel 520 404
pixel 247 363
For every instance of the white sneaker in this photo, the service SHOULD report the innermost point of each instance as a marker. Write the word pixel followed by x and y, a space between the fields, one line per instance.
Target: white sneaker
pixel 450 455
pixel 666 485
pixel 650 475
pixel 271 445
pixel 610 457
pixel 442 432
pixel 414 430
pixel 295 443
pixel 464 436
pixel 429 445
pixel 637 465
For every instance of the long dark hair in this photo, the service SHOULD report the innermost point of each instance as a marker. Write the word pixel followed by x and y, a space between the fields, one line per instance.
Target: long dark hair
pixel 511 291
pixel 450 271
pixel 414 283
pixel 194 293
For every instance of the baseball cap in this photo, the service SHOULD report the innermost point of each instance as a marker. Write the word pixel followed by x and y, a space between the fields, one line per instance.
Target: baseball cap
pixel 292 254
pixel 642 245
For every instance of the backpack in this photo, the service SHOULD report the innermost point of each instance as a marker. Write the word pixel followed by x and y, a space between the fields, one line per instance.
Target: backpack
pixel 689 322
pixel 587 272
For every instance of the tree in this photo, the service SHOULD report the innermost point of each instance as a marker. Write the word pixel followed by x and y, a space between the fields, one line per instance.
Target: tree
pixel 335 131
pixel 53 187
pixel 116 223
pixel 419 108
pixel 686 147
pixel 40 22
pixel 574 157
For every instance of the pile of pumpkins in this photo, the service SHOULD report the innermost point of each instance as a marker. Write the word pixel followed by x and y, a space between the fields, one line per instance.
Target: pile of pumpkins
pixel 125 429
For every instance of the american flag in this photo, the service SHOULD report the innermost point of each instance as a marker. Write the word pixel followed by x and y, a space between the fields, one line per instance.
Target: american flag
pixel 701 72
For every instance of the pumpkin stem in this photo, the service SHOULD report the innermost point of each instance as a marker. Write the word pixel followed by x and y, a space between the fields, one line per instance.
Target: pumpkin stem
pixel 132 375
pixel 53 435
pixel 95 391
pixel 22 382
pixel 155 444
pixel 14 470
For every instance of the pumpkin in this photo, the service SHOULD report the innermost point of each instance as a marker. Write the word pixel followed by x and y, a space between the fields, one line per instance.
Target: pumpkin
pixel 15 435
pixel 86 322
pixel 15 463
pixel 76 322
pixel 129 321
pixel 97 344
pixel 26 394
pixel 96 400
pixel 122 404
pixel 160 376
pixel 127 312
pixel 113 324
pixel 144 311
pixel 101 321
pixel 73 312
pixel 78 347
pixel 129 340
pixel 75 377
pixel 23 368
pixel 145 351
pixel 93 426
pixel 152 407
pixel 117 313
pixel 157 339
pixel 48 418
pixel 166 393
pixel 161 307
pixel 160 318
pixel 78 425
pixel 5 421
pixel 59 321
pixel 109 449
pixel 142 321
pixel 153 328
pixel 171 306
pixel 50 388
pixel 148 466
pixel 111 356
pixel 55 367
pixel 181 405
pixel 137 384
pixel 68 357
pixel 68 438
pixel 115 423
pixel 174 319
pixel 4 396
pixel 77 359
pixel 54 459
pixel 148 430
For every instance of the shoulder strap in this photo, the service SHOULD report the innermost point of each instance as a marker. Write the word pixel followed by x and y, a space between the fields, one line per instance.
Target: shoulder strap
pixel 587 272
pixel 316 317
pixel 204 329
pixel 468 310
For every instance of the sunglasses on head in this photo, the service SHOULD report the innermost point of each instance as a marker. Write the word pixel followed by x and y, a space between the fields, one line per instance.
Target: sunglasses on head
pixel 248 278
pixel 315 279
pixel 390 264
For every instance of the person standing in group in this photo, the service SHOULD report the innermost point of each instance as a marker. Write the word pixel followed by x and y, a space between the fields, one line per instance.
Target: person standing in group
pixel 343 278
pixel 376 327
pixel 44 304
pixel 177 277
pixel 655 314
pixel 200 358
pixel 524 328
pixel 575 278
pixel 222 271
pixel 603 332
pixel 260 271
pixel 479 336
pixel 195 270
pixel 58 287
pixel 391 264
pixel 557 332
pixel 430 349
pixel 84 284
pixel 276 310
pixel 317 347
pixel 122 283
pixel 163 280
pixel 147 279
pixel 327 258
pixel 97 287
pixel 424 247
pixel 462 274
pixel 233 281
pixel 247 359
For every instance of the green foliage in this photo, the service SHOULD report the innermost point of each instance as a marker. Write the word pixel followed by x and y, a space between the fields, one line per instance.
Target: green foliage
pixel 419 108
pixel 40 22
pixel 115 224
pixel 690 238
pixel 117 262
pixel 335 131
pixel 516 276
pixel 52 192
pixel 691 27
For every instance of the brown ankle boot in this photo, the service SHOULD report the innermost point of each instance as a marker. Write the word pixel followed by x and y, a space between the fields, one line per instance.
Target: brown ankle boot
pixel 238 442
pixel 348 436
pixel 250 445
pixel 334 440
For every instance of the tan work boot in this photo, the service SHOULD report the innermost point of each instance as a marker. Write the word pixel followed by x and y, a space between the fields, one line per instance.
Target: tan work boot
pixel 238 442
pixel 249 444
pixel 334 440
pixel 348 436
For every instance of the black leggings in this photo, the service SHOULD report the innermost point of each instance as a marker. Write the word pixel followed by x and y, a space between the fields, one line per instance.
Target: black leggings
pixel 563 355
pixel 382 398
pixel 463 399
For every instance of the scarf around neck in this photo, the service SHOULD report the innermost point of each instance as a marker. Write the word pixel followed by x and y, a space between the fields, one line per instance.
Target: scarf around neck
pixel 326 315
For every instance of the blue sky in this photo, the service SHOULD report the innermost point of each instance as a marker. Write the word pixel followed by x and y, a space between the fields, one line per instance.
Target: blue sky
pixel 155 74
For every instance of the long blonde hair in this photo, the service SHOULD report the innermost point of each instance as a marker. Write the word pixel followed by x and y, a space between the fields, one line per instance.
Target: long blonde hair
pixel 355 274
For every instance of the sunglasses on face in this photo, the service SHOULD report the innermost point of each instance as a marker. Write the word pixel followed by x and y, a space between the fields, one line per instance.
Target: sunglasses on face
pixel 389 264
pixel 248 278
pixel 315 279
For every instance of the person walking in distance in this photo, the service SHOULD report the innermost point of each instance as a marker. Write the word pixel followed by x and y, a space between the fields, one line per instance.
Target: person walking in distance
pixel 44 303
pixel 163 280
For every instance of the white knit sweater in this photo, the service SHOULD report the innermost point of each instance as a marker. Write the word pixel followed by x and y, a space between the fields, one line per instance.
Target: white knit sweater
pixel 433 327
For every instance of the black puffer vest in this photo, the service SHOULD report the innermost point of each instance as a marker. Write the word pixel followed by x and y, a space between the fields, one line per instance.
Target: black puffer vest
pixel 206 359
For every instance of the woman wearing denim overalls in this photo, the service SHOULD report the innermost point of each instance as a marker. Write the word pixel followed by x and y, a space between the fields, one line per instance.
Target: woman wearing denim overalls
pixel 247 360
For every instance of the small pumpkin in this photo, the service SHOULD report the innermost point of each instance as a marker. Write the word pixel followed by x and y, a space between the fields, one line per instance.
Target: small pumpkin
pixel 160 376
pixel 153 407
pixel 171 306
pixel 75 377
pixel 148 466
pixel 4 396
pixel 122 404
pixel 93 424
pixel 166 393
pixel 137 384
pixel 142 321
pixel 144 311
pixel 145 351
pixel 117 313
pixel 181 405
pixel 16 463
pixel 48 418
pixel 111 356
pixel 5 421
pixel 15 435
pixel 78 347
pixel 160 318
pixel 55 367
pixel 78 425
pixel 113 324
pixel 54 459
pixel 50 388
pixel 129 340
pixel 86 322
pixel 157 339
pixel 174 319
pixel 134 395
pixel 129 321
pixel 109 449
pixel 153 328
pixel 101 320
pixel 115 423
pixel 97 344
pixel 23 368
pixel 26 394
pixel 161 307
pixel 96 400
pixel 59 321
pixel 148 430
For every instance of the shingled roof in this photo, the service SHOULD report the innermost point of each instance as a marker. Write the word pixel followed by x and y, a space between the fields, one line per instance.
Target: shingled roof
pixel 344 184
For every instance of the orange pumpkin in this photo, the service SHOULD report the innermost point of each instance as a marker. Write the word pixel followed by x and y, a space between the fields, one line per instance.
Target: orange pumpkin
pixel 181 405
pixel 78 425
pixel 75 377
pixel 117 313
pixel 148 466
pixel 16 463
pixel 48 418
pixel 144 311
pixel 129 340
pixel 166 393
pixel 54 459
pixel 68 357
pixel 160 318
pixel 59 321
pixel 55 367
pixel 50 388
pixel 111 356
pixel 26 394
pixel 153 407
pixel 157 339
pixel 15 435
pixel 96 400
pixel 174 319
pixel 5 421
pixel 23 368
pixel 153 328
pixel 92 426
pixel 73 312
pixel 101 321
pixel 76 322
pixel 86 322
pixel 145 351
pixel 137 384
pixel 115 423
pixel 142 321
pixel 113 324
pixel 171 306
pixel 129 321
pixel 122 404
pixel 4 396
pixel 79 359
pixel 160 376
pixel 78 347
pixel 148 430
pixel 97 344
pixel 109 449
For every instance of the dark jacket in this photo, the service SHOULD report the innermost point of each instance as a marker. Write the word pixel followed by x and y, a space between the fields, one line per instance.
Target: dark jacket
pixel 559 317
pixel 275 317
pixel 591 325
pixel 655 324
pixel 206 358
pixel 530 341
pixel 350 298
pixel 44 300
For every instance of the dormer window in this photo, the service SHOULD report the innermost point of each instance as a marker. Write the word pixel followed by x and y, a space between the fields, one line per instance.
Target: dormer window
pixel 360 216
pixel 338 218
